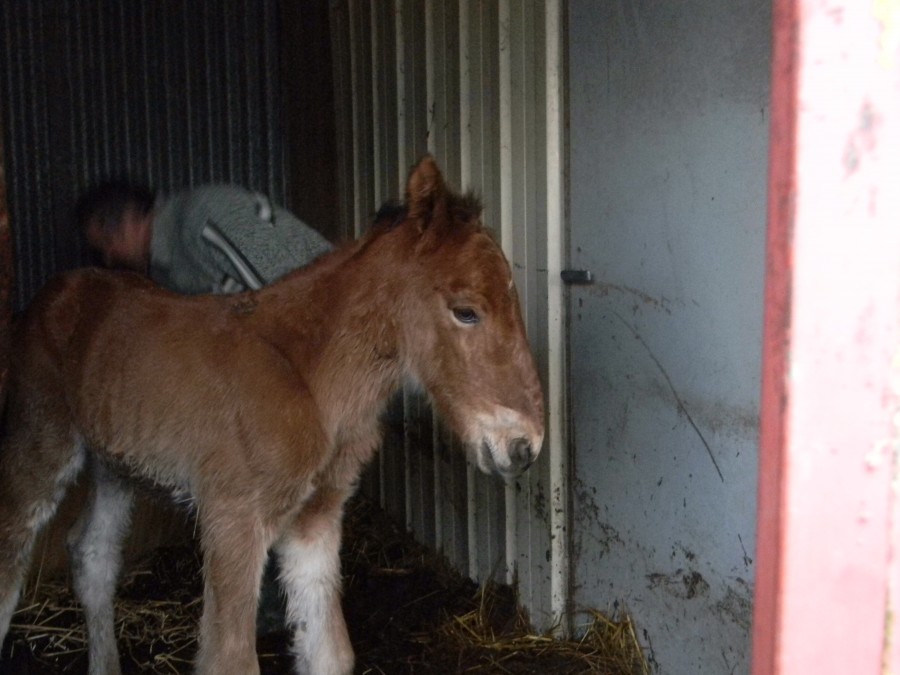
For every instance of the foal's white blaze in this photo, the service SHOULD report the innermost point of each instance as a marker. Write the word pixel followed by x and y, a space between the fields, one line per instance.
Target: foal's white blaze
pixel 310 575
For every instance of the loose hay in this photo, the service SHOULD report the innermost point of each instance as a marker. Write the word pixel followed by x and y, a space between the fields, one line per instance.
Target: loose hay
pixel 407 612
pixel 157 610
pixel 489 641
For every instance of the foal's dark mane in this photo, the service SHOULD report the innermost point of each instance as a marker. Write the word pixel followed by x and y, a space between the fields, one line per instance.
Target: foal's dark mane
pixel 465 207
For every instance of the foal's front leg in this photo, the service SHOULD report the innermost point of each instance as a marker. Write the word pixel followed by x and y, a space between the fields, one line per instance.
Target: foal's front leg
pixel 234 551
pixel 310 573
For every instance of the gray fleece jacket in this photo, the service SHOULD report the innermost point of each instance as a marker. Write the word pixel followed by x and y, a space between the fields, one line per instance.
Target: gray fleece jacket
pixel 224 239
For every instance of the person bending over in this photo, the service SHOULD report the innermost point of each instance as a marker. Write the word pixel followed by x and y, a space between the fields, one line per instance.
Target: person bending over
pixel 209 239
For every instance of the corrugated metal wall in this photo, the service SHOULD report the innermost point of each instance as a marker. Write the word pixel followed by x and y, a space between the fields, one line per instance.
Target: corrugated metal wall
pixel 170 93
pixel 478 84
pixel 6 277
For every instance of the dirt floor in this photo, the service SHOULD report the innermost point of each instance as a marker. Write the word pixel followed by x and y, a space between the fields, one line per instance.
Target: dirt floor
pixel 406 610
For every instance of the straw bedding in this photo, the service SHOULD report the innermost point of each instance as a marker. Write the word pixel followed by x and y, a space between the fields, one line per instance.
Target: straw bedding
pixel 407 612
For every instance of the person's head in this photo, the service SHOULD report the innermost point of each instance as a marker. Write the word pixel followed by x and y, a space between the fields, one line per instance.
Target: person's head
pixel 117 220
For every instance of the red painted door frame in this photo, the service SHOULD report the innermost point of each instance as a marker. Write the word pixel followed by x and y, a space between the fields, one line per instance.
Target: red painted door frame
pixel 828 553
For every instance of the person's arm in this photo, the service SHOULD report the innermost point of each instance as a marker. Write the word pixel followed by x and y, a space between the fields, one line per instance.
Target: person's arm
pixel 248 275
pixel 259 240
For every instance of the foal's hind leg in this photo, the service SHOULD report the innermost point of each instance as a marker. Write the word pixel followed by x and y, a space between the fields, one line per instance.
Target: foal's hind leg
pixel 310 572
pixel 95 546
pixel 36 467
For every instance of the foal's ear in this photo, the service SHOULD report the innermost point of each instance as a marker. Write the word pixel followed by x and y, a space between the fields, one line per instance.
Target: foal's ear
pixel 424 188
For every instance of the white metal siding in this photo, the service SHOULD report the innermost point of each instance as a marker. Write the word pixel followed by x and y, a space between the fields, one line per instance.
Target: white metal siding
pixel 477 84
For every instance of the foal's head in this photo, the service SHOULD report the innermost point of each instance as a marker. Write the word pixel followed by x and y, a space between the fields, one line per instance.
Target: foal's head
pixel 464 337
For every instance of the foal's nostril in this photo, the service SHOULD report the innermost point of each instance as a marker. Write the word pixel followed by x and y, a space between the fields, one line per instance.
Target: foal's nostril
pixel 520 452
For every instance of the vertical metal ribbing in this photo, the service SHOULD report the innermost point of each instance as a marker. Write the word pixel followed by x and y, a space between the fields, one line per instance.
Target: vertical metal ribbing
pixel 247 118
pixel 494 140
pixel 151 166
pixel 272 164
pixel 475 121
pixel 506 232
pixel 376 85
pixel 505 116
pixel 355 98
pixel 445 129
pixel 125 85
pixel 7 272
pixel 41 148
pixel 19 169
pixel 130 88
pixel 402 124
pixel 168 177
pixel 430 66
pixel 15 174
pixel 367 137
pixel 343 95
pixel 433 54
pixel 465 180
pixel 378 149
pixel 440 65
pixel 478 493
pixel 528 535
pixel 465 109
pixel 400 48
pixel 559 484
pixel 472 521
pixel 74 69
pixel 205 135
pixel 191 171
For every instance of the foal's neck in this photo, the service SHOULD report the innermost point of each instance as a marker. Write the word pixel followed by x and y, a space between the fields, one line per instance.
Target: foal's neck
pixel 338 323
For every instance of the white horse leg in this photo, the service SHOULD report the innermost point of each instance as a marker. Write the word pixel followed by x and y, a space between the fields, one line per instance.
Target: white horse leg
pixel 35 471
pixel 310 573
pixel 95 546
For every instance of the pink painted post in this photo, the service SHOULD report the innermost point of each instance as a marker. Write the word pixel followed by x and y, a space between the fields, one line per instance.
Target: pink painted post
pixel 828 580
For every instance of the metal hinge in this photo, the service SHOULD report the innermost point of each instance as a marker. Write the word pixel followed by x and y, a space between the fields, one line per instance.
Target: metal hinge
pixel 573 277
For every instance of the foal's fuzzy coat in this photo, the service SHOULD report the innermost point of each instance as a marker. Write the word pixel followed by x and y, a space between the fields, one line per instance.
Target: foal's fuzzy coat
pixel 262 409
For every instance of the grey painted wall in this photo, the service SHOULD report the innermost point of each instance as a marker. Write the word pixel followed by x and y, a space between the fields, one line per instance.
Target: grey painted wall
pixel 669 117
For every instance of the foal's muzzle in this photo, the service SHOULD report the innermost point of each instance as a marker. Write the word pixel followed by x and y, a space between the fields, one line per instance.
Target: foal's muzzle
pixel 521 455
pixel 504 442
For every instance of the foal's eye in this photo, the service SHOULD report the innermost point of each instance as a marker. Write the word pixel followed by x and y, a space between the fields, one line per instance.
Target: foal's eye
pixel 466 315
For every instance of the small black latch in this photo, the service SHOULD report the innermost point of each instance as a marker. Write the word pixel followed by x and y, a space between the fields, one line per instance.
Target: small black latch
pixel 577 276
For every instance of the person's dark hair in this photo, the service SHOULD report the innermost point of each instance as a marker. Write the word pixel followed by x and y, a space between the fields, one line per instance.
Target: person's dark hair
pixel 107 202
